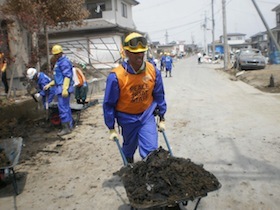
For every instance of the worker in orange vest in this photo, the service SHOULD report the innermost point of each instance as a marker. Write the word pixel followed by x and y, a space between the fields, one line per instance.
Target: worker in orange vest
pixel 81 85
pixel 134 90
pixel 3 68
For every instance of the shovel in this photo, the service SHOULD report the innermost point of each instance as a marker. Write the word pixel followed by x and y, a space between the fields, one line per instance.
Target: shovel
pixel 47 106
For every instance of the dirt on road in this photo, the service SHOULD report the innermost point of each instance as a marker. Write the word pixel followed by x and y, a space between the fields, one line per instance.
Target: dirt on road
pixel 266 80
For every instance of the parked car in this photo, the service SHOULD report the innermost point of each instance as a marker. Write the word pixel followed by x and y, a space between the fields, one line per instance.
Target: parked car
pixel 249 59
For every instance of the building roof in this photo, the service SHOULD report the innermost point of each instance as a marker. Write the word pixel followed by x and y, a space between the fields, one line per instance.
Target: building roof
pixel 259 34
pixel 277 28
pixel 236 34
pixel 276 8
pixel 156 43
pixel 92 26
pixel 132 2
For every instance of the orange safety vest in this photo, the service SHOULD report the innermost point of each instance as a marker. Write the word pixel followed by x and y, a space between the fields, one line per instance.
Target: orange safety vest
pixel 81 77
pixel 3 63
pixel 135 89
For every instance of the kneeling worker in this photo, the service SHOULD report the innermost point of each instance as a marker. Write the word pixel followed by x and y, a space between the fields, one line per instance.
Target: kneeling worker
pixel 81 86
pixel 41 80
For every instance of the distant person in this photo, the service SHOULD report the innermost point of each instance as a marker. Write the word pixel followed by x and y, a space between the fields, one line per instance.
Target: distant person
pixel 3 68
pixel 199 57
pixel 168 65
pixel 162 62
pixel 81 86
pixel 133 91
pixel 41 80
pixel 151 60
pixel 63 74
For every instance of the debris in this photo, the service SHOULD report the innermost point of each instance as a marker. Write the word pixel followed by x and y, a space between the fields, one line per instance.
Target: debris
pixel 239 73
pixel 162 179
pixel 48 151
pixel 271 81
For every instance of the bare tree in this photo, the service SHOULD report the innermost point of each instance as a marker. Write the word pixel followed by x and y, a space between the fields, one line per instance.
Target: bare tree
pixel 38 15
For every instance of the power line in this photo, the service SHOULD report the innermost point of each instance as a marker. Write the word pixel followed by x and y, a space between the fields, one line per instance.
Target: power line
pixel 269 2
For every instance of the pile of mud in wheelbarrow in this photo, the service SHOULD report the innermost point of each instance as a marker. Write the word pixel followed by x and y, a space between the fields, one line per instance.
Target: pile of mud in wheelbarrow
pixel 162 180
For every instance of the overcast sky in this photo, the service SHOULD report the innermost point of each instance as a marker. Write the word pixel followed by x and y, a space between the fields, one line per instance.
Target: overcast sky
pixel 183 19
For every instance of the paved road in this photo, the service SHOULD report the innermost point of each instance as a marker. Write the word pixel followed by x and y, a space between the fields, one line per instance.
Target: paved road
pixel 231 128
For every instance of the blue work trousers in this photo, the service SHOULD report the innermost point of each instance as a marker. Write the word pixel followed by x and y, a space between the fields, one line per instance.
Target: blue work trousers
pixel 142 134
pixel 64 109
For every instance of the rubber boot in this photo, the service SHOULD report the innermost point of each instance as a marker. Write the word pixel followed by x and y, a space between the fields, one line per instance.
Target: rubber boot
pixel 130 160
pixel 65 129
pixel 78 101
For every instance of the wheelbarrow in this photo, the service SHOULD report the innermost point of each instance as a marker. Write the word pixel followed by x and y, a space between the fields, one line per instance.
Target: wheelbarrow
pixel 147 194
pixel 10 150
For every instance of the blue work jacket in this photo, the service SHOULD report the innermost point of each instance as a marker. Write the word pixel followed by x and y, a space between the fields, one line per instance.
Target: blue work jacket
pixel 112 93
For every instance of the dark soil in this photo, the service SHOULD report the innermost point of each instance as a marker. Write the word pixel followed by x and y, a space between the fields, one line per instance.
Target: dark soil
pixel 162 180
pixel 4 161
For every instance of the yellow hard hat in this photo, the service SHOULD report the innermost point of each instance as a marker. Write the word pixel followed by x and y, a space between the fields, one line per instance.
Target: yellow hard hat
pixel 135 43
pixel 56 49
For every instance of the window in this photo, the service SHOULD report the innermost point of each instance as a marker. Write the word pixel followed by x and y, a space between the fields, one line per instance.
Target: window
pixel 124 10
pixel 278 18
pixel 95 10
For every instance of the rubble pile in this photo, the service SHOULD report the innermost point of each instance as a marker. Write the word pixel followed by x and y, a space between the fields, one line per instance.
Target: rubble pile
pixel 162 180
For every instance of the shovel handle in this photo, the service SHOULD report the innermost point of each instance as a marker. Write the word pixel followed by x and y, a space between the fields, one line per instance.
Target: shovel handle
pixel 120 149
pixel 167 143
pixel 47 105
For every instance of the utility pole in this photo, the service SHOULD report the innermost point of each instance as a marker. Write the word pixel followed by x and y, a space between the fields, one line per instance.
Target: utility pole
pixel 226 62
pixel 266 26
pixel 166 37
pixel 213 33
pixel 205 29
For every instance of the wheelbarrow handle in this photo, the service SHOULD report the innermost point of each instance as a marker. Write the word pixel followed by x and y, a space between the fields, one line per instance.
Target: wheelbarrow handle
pixel 120 149
pixel 167 143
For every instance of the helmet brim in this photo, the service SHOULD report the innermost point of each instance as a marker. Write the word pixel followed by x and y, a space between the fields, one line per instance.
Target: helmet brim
pixel 136 50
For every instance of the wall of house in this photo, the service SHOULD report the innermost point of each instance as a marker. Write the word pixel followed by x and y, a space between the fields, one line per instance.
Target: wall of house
pixel 114 12
pixel 19 47
pixel 124 21
pixel 232 40
pixel 16 47
pixel 102 51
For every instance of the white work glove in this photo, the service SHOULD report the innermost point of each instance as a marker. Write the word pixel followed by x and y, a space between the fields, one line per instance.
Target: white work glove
pixel 113 134
pixel 161 126
pixel 37 95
